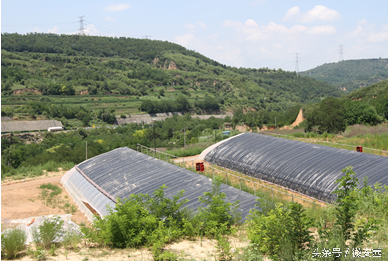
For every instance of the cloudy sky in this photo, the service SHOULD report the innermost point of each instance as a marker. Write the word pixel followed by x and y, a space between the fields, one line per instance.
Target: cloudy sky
pixel 252 33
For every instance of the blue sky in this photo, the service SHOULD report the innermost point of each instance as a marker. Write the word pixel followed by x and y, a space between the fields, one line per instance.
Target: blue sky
pixel 252 33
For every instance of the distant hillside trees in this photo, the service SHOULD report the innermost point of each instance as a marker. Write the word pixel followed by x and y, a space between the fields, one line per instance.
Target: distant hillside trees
pixel 368 106
pixel 180 104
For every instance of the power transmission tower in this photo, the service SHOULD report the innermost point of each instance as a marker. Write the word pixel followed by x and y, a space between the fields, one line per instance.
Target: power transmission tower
pixel 341 53
pixel 81 25
pixel 146 36
pixel 297 63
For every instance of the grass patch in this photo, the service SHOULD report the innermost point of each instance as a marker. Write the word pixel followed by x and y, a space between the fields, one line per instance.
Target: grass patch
pixel 190 150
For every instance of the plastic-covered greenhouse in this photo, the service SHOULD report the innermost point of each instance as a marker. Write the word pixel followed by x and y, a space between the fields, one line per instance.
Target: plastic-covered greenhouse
pixel 307 168
pixel 96 183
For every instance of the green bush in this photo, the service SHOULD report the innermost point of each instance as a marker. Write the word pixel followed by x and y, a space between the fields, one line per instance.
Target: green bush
pixel 48 232
pixel 218 215
pixel 283 231
pixel 71 239
pixel 12 242
pixel 298 134
pixel 128 224
pixel 139 221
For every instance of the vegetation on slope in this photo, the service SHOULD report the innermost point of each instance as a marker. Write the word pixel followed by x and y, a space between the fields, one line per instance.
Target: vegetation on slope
pixel 66 64
pixel 368 106
pixel 351 74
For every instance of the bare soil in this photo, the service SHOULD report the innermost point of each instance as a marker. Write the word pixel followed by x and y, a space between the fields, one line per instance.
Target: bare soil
pixel 20 200
pixel 299 119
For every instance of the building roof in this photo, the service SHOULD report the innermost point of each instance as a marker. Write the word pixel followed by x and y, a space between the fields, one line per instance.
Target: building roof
pixel 29 125
pixel 307 168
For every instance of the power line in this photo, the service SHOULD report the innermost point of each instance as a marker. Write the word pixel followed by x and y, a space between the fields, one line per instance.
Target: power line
pixel 81 25
pixel 107 29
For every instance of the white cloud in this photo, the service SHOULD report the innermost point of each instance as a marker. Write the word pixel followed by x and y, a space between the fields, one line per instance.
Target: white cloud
pixel 189 26
pixel 318 13
pixel 366 33
pixel 53 31
pixel 250 22
pixel 378 37
pixel 91 30
pixel 115 8
pixel 254 32
pixel 213 36
pixel 185 39
pixel 202 24
pixel 292 13
pixel 321 30
pixel 108 18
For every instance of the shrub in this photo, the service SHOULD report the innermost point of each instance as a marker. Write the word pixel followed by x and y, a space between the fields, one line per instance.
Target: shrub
pixel 71 238
pixel 298 134
pixel 136 222
pixel 128 224
pixel 283 231
pixel 218 215
pixel 48 232
pixel 12 242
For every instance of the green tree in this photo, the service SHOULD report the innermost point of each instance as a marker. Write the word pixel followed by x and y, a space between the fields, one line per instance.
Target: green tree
pixel 182 104
pixel 361 113
pixel 329 116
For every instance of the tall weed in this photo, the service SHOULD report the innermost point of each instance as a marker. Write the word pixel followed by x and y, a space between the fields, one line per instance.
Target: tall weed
pixel 48 232
pixel 12 242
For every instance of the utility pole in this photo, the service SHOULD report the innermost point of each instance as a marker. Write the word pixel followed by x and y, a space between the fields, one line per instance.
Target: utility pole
pixel 184 138
pixel 341 53
pixel 275 122
pixel 81 25
pixel 86 150
pixel 154 138
pixel 297 63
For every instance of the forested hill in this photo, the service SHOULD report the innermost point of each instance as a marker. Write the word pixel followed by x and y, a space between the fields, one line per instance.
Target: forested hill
pixel 67 64
pixel 351 74
pixel 375 95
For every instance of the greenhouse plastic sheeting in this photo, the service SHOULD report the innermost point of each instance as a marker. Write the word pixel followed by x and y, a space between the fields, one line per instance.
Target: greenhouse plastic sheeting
pixel 307 168
pixel 122 172
pixel 81 190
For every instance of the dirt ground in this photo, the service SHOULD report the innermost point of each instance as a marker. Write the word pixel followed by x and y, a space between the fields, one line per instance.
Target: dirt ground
pixel 299 119
pixel 20 199
pixel 186 249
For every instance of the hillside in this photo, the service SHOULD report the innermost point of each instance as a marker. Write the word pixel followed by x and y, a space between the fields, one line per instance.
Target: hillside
pixel 375 95
pixel 351 74
pixel 50 64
